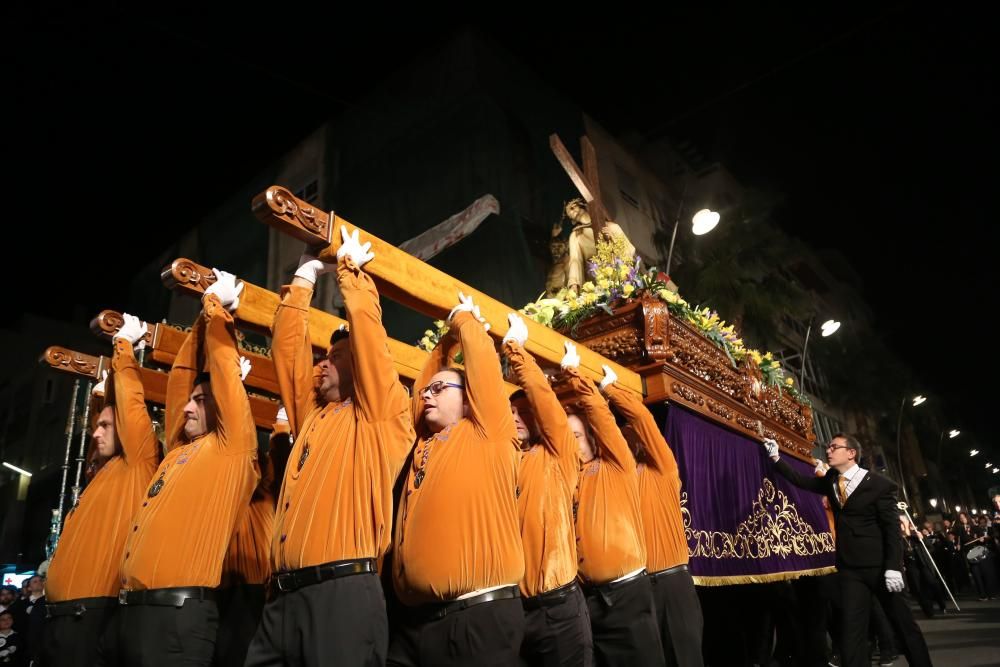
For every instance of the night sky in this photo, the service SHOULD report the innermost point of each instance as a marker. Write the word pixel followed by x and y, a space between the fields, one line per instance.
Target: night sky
pixel 876 126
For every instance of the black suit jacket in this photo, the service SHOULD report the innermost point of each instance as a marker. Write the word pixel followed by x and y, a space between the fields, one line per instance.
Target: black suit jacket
pixel 867 526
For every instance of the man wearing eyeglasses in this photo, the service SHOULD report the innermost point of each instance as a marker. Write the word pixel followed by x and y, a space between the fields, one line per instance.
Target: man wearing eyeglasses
pixel 333 522
pixel 557 623
pixel 457 556
pixel 869 548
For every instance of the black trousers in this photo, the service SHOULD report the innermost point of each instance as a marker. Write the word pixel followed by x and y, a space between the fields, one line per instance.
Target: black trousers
pixel 880 628
pixel 559 635
pixel 623 623
pixel 240 609
pixel 485 635
pixel 73 641
pixel 335 622
pixel 678 613
pixel 984 577
pixel 857 586
pixel 155 636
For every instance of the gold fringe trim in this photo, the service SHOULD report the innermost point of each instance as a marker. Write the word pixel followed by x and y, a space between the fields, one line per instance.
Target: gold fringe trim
pixel 762 578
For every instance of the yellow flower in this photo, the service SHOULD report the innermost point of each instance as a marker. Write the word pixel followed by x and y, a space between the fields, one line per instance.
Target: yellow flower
pixel 622 271
pixel 768 357
pixel 425 342
pixel 589 299
pixel 628 289
pixel 439 323
pixel 428 332
pixel 789 381
pixel 755 355
pixel 587 286
pixel 603 283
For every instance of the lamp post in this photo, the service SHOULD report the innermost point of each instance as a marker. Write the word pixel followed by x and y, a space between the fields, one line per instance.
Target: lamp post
pixel 952 434
pixel 702 223
pixel 828 328
pixel 917 400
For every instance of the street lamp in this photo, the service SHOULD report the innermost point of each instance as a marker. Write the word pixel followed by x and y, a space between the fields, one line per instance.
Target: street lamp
pixel 954 433
pixel 973 452
pixel 933 503
pixel 828 328
pixel 917 400
pixel 13 467
pixel 703 222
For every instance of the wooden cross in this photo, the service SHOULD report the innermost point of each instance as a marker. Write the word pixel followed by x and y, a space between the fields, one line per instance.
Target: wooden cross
pixel 587 181
pixel 413 283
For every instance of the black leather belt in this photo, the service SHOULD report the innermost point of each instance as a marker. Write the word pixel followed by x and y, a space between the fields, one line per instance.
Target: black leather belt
pixel 553 598
pixel 77 607
pixel 604 589
pixel 286 582
pixel 656 576
pixel 438 610
pixel 165 597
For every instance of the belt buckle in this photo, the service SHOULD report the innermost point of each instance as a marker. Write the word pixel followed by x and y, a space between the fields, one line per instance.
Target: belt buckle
pixel 123 597
pixel 279 578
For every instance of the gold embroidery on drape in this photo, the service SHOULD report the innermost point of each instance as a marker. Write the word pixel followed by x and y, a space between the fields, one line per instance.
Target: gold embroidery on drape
pixel 774 528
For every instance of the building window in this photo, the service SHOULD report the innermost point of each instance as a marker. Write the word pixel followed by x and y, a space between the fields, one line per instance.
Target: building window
pixel 309 192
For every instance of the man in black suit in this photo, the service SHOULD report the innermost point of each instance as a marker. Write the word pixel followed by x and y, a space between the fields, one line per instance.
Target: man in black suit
pixel 869 548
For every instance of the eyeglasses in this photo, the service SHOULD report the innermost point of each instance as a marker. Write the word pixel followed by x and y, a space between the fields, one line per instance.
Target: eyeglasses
pixel 833 446
pixel 435 388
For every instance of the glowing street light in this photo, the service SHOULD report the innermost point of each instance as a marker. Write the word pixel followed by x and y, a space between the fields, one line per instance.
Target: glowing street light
pixel 704 221
pixel 954 433
pixel 917 400
pixel 973 452
pixel 829 328
pixel 934 502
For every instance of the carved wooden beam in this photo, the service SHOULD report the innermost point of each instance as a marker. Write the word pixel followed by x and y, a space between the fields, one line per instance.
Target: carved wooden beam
pixel 415 284
pixel 165 341
pixel 154 382
pixel 258 305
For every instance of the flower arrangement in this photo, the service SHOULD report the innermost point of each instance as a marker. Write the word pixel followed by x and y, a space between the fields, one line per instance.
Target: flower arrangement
pixel 616 277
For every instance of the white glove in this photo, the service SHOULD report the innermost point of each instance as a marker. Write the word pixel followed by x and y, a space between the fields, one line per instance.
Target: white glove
pixel 821 467
pixel 894 581
pixel 282 415
pixel 226 289
pixel 245 367
pixel 772 449
pixel 99 387
pixel 311 268
pixel 518 331
pixel 571 359
pixel 133 330
pixel 610 377
pixel 351 247
pixel 465 305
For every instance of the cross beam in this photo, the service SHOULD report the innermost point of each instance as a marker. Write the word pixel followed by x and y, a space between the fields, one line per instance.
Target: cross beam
pixel 415 284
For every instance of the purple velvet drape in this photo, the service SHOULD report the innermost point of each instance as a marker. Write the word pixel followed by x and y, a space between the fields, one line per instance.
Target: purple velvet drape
pixel 744 523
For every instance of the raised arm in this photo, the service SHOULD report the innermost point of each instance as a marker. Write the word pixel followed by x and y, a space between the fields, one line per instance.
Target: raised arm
pixel 132 423
pixel 549 414
pixel 180 383
pixel 377 390
pixel 291 349
pixel 610 440
pixel 235 427
pixel 641 419
pixel 489 409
